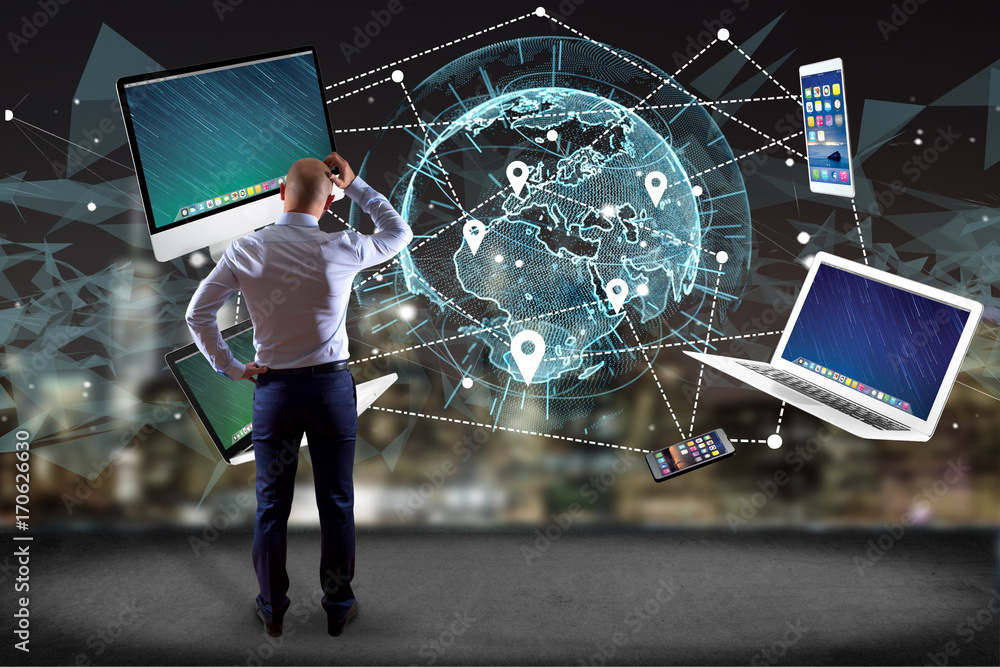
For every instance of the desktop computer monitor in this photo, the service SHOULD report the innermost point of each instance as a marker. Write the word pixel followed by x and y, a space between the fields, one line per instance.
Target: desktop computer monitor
pixel 212 143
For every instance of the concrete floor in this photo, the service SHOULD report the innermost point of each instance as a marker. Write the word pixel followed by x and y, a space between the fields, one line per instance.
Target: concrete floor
pixel 467 597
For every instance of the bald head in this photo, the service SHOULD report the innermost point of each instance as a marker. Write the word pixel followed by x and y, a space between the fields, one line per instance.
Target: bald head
pixel 307 187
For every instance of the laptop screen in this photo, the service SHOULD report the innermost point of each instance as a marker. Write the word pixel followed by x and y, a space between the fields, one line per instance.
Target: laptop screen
pixel 890 344
pixel 225 406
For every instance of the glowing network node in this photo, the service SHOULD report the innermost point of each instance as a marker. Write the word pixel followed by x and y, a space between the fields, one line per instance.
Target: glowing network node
pixel 8 115
pixel 397 76
pixel 696 191
pixel 91 206
pixel 197 260
pixel 774 441
pixel 803 238
pixel 642 289
pixel 723 35
pixel 552 135
pixel 467 382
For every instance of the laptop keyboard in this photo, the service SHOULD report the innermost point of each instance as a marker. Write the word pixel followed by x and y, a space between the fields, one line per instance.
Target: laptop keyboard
pixel 825 397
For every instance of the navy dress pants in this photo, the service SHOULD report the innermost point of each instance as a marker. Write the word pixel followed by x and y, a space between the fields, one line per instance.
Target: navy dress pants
pixel 324 407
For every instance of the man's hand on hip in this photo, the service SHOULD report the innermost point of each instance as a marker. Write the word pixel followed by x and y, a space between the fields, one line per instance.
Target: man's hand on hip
pixel 346 175
pixel 251 370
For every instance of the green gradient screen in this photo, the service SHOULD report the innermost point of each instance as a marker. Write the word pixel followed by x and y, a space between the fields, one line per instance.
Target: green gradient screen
pixel 221 137
pixel 226 404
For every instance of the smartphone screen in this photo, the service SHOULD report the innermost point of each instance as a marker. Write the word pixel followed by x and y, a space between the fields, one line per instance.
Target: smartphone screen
pixel 827 139
pixel 689 454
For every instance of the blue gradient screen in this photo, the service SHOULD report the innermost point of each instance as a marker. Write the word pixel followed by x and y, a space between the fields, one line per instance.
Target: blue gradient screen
pixel 223 137
pixel 886 339
pixel 826 127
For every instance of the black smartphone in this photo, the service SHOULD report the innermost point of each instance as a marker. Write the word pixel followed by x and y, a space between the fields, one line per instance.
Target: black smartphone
pixel 689 455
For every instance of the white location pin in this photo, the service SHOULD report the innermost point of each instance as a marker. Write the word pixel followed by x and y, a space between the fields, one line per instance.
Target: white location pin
pixel 517 174
pixel 656 183
pixel 474 232
pixel 616 290
pixel 527 363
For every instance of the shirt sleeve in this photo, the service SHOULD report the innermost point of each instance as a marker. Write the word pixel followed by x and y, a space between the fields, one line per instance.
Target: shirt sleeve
pixel 392 234
pixel 201 320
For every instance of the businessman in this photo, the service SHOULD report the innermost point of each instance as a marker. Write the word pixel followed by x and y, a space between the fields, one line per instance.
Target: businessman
pixel 296 282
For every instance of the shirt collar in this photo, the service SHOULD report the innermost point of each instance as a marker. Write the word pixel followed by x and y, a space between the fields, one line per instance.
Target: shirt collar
pixel 297 219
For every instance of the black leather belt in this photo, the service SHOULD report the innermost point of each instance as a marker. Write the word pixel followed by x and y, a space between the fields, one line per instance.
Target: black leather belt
pixel 311 370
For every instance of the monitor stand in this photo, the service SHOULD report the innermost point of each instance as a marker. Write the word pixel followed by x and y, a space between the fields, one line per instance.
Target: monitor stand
pixel 216 250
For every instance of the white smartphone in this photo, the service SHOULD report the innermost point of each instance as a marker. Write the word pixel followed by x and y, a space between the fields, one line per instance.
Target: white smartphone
pixel 828 139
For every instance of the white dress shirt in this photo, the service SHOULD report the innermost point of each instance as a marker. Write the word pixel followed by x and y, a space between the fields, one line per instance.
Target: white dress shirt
pixel 296 282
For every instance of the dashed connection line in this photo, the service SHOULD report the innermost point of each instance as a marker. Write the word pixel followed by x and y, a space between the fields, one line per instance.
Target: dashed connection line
pixel 521 431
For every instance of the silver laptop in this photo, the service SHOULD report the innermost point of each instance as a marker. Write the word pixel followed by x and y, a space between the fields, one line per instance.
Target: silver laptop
pixel 367 393
pixel 225 407
pixel 865 350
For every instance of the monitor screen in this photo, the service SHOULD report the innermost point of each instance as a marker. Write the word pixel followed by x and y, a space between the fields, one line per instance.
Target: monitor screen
pixel 224 405
pixel 886 342
pixel 224 135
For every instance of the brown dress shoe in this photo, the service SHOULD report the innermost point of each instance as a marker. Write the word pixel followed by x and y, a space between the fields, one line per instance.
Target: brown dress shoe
pixel 272 629
pixel 336 629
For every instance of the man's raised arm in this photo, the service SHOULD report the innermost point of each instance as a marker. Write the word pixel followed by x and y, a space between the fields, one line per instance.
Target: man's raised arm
pixel 391 231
